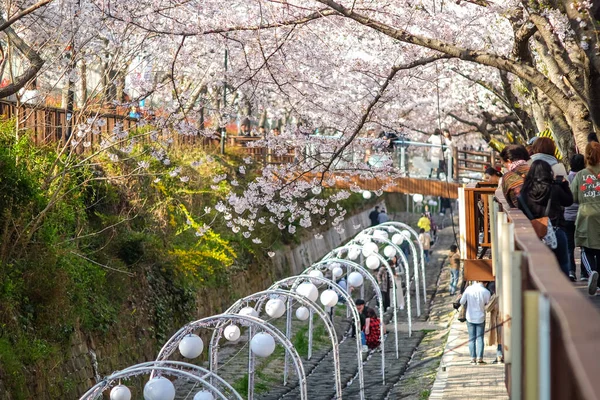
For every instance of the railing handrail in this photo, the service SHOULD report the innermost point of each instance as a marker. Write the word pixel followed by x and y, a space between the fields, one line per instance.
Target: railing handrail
pixel 88 112
pixel 578 319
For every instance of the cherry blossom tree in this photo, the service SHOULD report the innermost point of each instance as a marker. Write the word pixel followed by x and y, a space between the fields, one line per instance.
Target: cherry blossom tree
pixel 481 68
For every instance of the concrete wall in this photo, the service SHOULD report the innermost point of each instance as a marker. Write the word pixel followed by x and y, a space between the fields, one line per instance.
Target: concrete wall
pixel 293 261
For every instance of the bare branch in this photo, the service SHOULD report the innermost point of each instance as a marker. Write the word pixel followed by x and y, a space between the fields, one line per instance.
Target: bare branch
pixel 241 28
pixel 23 13
pixel 376 99
pixel 34 58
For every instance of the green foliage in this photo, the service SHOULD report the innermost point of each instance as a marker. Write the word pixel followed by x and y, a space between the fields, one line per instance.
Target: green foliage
pixel 300 341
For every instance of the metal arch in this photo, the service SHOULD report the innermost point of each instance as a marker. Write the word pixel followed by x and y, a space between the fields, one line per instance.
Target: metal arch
pixel 195 369
pixel 251 322
pixel 412 231
pixel 415 268
pixel 365 273
pixel 398 249
pixel 97 389
pixel 260 297
pixel 407 269
pixel 387 268
pixel 293 281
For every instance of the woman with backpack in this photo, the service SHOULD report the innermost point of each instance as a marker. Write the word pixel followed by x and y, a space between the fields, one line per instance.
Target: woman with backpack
pixel 543 196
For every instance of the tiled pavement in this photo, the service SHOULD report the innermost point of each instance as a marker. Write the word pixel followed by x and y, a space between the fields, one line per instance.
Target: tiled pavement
pixel 458 379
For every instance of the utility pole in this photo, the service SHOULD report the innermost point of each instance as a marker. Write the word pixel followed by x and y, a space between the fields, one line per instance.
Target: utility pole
pixel 224 128
pixel 70 78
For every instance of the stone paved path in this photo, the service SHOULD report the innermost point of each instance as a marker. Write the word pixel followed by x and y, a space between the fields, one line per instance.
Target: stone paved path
pixel 462 380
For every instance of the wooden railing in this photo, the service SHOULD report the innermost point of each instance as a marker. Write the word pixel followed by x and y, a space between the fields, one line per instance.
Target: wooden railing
pixel 551 332
pixel 466 161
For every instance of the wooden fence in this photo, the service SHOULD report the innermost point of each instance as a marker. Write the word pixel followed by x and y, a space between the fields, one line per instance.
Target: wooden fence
pixel 551 332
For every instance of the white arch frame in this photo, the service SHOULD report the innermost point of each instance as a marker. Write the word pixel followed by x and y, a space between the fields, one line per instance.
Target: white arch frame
pixel 221 320
pixel 169 368
pixel 366 274
pixel 366 233
pixel 383 261
pixel 293 281
pixel 422 253
pixel 260 297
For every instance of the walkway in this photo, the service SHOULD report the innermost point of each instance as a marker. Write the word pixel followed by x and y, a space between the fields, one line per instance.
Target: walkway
pixel 458 379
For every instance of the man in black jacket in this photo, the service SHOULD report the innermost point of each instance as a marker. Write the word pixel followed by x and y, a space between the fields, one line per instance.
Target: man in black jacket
pixel 374 216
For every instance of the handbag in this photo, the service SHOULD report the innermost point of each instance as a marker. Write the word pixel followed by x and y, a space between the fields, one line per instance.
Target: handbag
pixel 462 313
pixel 542 226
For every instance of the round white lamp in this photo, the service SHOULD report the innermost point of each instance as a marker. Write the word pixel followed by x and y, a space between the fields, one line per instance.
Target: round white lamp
pixel 308 290
pixel 191 346
pixel 275 308
pixel 159 389
pixel 372 262
pixel 329 298
pixel 406 234
pixel 380 234
pixel 120 392
pixel 249 312
pixel 417 198
pixel 337 272
pixel 370 248
pixel 366 194
pixel 355 279
pixel 262 344
pixel 204 395
pixel 315 273
pixel 302 313
pixel 232 333
pixel 397 238
pixel 389 251
pixel 353 254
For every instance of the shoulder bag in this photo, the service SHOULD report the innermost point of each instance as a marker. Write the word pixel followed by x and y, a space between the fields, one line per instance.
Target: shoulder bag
pixel 542 226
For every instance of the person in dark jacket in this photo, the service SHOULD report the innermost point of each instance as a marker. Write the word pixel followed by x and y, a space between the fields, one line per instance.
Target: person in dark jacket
pixel 539 188
pixel 374 216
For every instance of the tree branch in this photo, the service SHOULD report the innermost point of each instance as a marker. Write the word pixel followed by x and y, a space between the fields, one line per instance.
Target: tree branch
pixel 300 21
pixel 375 100
pixel 523 71
pixel 34 58
pixel 23 13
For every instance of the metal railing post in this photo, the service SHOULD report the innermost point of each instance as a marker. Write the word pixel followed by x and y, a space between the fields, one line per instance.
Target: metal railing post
pixel 516 324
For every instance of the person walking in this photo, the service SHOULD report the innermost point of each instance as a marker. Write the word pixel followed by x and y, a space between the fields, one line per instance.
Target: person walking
pixel 436 153
pixel 372 329
pixel 514 159
pixel 576 163
pixel 424 223
pixel 586 187
pixel 475 299
pixel 454 264
pixel 383 278
pixel 544 196
pixel 374 216
pixel 382 218
pixel 425 241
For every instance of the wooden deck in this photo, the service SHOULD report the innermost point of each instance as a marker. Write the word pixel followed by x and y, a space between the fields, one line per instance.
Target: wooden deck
pixel 408 185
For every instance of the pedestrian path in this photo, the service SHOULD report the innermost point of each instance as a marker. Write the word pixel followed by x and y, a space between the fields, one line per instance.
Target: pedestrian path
pixel 458 379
